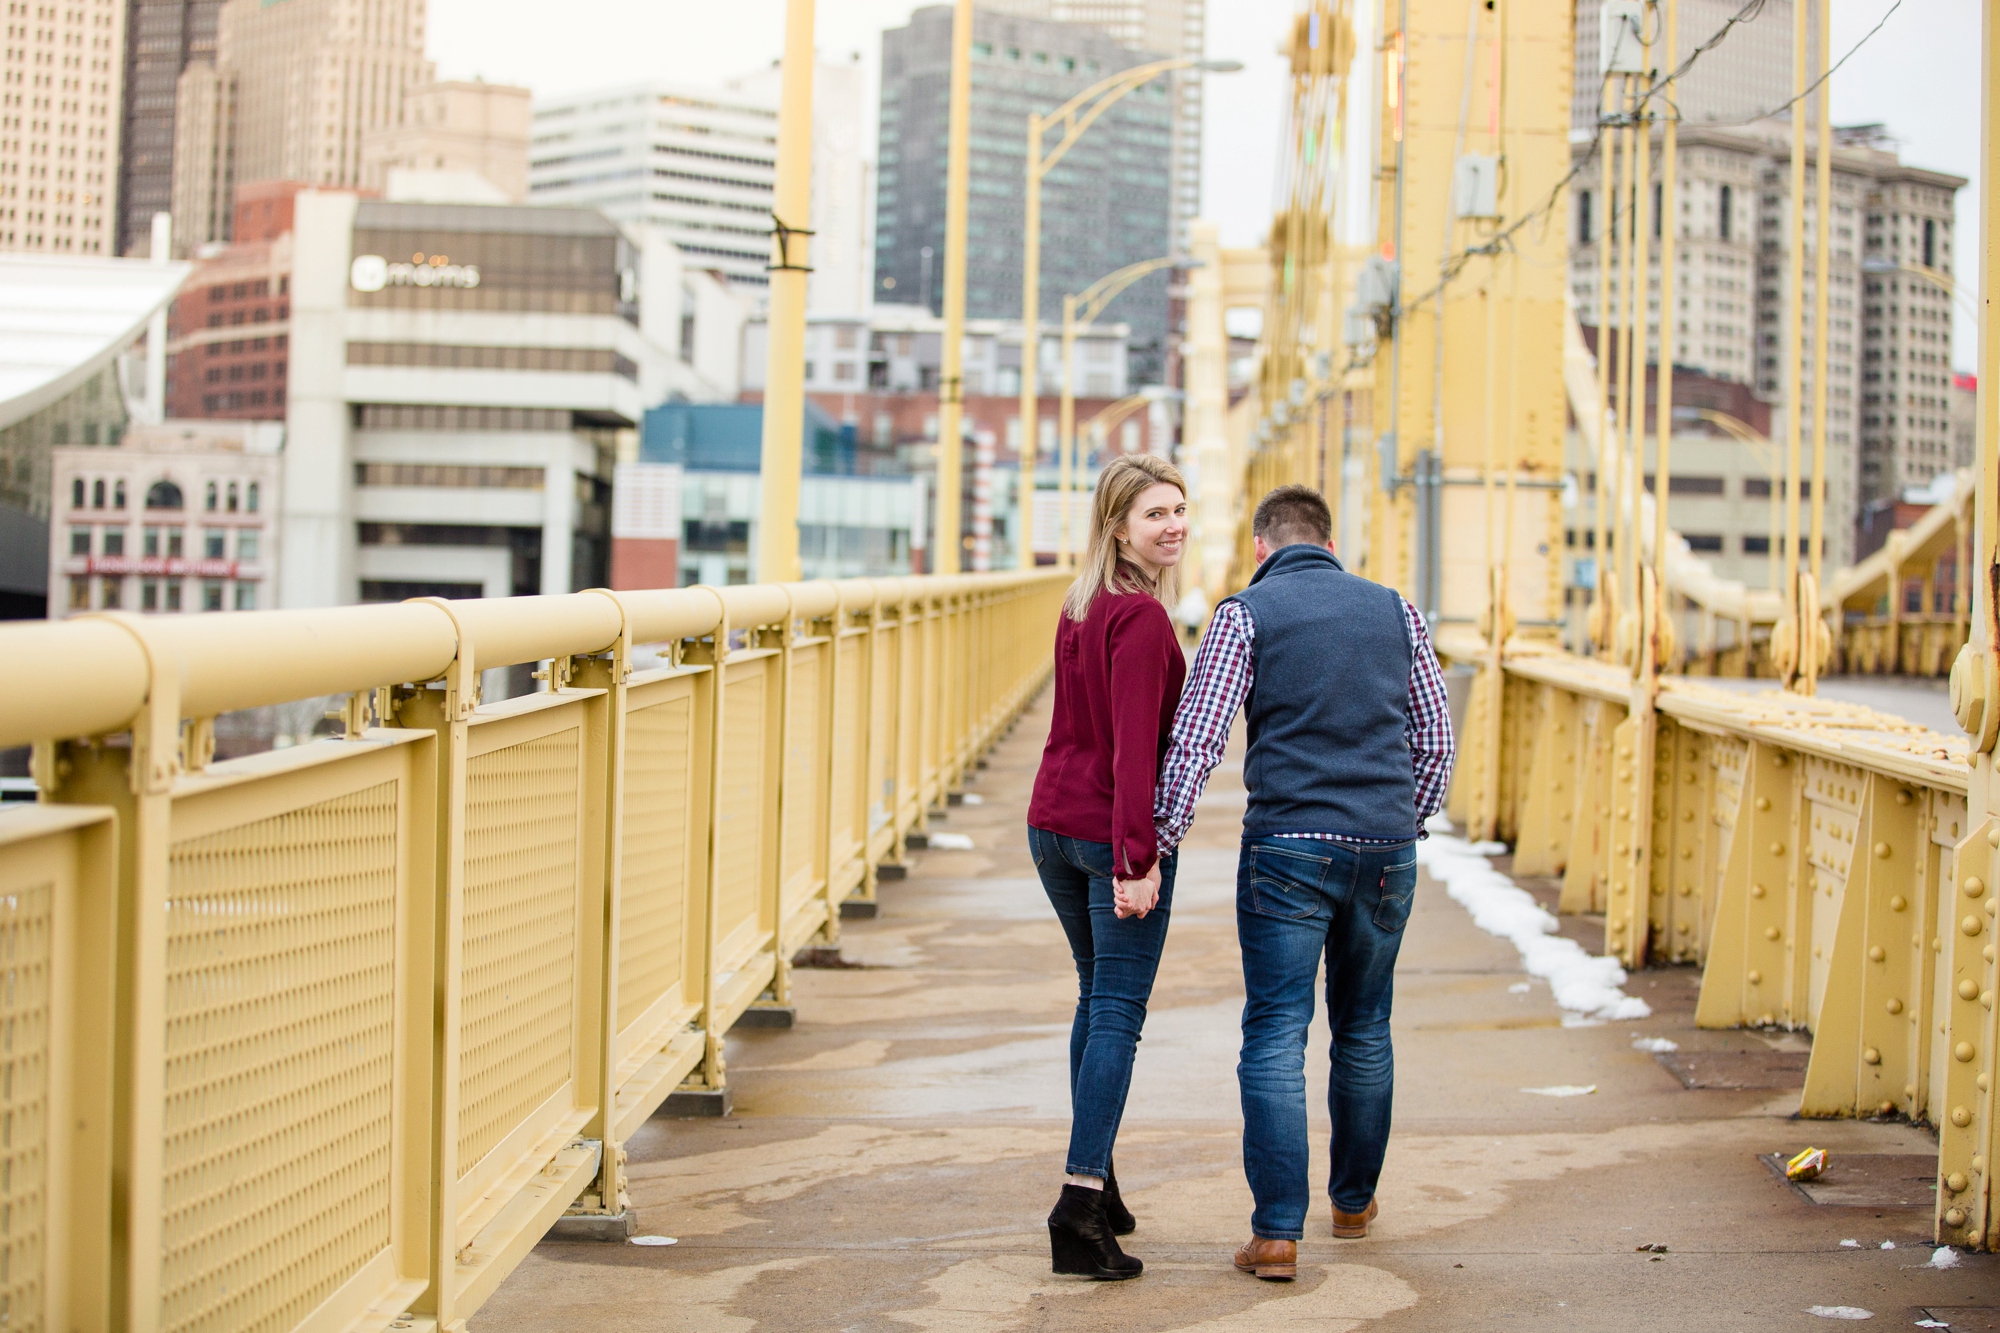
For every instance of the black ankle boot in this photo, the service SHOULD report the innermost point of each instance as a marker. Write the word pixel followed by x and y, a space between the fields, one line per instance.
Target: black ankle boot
pixel 1115 1212
pixel 1080 1239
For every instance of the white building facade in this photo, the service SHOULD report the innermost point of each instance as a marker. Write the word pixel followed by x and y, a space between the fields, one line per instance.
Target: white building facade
pixel 460 379
pixel 179 517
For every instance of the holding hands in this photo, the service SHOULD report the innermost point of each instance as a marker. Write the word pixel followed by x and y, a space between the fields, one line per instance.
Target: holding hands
pixel 1136 897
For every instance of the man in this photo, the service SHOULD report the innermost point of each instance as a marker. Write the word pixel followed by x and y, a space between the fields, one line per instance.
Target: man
pixel 1350 748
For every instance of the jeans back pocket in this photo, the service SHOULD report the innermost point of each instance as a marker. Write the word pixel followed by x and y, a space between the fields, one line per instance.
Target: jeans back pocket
pixel 1281 883
pixel 1398 890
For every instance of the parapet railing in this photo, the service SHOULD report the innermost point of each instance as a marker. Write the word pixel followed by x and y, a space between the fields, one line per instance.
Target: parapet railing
pixel 327 1038
pixel 1820 861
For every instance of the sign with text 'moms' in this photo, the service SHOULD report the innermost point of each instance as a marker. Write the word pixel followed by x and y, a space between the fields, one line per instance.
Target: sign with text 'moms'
pixel 371 273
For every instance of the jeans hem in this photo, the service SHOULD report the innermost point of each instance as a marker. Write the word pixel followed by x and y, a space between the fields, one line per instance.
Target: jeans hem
pixel 1279 1235
pixel 1095 1172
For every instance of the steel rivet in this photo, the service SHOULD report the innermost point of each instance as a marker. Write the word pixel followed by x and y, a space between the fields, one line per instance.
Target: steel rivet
pixel 1875 954
pixel 1763 803
pixel 1898 903
pixel 1955 1182
pixel 1909 1089
pixel 1770 932
pixel 1960 1117
pixel 1687 890
pixel 1993 837
pixel 1954 1217
pixel 1895 1006
pixel 1903 798
pixel 1963 1052
pixel 1755 976
pixel 1967 989
pixel 1882 851
pixel 1886 1108
pixel 1974 887
pixel 1871 1056
pixel 1682 928
pixel 1972 925
pixel 1777 849
pixel 1986 998
pixel 1756 890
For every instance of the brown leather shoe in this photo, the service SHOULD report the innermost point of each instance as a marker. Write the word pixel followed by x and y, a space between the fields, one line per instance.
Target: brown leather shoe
pixel 1272 1260
pixel 1353 1226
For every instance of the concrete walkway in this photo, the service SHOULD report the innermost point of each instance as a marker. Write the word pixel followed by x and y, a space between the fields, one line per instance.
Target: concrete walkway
pixel 891 1159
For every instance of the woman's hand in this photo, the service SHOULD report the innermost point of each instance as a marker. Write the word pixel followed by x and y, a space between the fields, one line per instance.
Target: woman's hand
pixel 1136 897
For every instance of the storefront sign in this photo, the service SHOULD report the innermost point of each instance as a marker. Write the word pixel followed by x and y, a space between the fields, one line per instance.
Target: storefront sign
pixel 157 565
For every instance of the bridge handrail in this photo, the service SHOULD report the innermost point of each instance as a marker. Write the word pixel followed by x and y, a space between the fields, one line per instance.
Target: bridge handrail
pixel 352 1024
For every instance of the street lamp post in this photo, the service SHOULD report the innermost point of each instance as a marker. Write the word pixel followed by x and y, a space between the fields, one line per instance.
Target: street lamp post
pixel 1072 118
pixel 785 388
pixel 1080 310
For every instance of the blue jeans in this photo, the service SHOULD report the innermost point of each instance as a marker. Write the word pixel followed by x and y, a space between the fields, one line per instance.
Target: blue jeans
pixel 1115 964
pixel 1297 898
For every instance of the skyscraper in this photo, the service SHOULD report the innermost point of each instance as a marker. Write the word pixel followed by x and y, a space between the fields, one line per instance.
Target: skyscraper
pixel 295 87
pixel 1745 75
pixel 1108 204
pixel 60 75
pixel 1170 27
pixel 162 38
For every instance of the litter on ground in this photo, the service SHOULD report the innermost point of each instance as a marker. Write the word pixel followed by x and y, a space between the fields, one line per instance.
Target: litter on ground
pixel 1840 1312
pixel 1564 1090
pixel 1944 1257
pixel 950 842
pixel 654 1240
pixel 1655 1045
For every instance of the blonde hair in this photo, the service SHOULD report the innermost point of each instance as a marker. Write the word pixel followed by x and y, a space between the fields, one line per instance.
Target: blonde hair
pixel 1104 568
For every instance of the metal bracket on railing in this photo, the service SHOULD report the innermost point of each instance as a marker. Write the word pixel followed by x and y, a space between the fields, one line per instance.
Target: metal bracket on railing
pixel 557 673
pixel 198 744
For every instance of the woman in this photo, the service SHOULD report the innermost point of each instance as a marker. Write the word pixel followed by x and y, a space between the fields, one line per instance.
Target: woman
pixel 1118 679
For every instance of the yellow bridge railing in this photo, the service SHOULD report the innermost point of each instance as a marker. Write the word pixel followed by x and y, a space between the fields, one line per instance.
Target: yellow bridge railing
pixel 1818 859
pixel 327 1038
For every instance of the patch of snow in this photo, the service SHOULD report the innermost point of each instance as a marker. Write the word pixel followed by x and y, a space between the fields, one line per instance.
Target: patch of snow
pixel 1840 1312
pixel 950 842
pixel 1932 1323
pixel 1888 1244
pixel 972 798
pixel 1580 982
pixel 1655 1045
pixel 1944 1257
pixel 1564 1090
pixel 653 1240
pixel 1850 1245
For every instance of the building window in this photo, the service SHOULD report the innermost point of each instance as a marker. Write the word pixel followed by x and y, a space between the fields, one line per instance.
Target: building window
pixel 111 593
pixel 79 541
pixel 211 497
pixel 215 543
pixel 211 594
pixel 1930 243
pixel 76 494
pixel 250 498
pixel 114 541
pixel 1583 202
pixel 97 494
pixel 246 544
pixel 246 597
pixel 149 542
pixel 118 494
pixel 149 595
pixel 163 495
pixel 1724 208
pixel 174 551
pixel 173 594
pixel 232 497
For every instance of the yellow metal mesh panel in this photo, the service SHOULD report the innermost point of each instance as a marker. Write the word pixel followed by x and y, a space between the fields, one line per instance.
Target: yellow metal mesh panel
pixel 24 1090
pixel 739 830
pixel 518 954
pixel 280 1027
pixel 653 881
pixel 850 785
pixel 802 776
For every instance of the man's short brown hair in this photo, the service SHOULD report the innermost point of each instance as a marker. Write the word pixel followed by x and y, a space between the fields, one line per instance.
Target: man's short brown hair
pixel 1293 514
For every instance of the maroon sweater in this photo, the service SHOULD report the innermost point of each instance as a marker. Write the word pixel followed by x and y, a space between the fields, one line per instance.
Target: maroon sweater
pixel 1118 681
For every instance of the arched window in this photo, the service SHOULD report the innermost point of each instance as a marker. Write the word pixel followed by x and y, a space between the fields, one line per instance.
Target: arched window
pixel 232 497
pixel 211 497
pixel 97 494
pixel 251 500
pixel 163 495
pixel 118 494
pixel 76 494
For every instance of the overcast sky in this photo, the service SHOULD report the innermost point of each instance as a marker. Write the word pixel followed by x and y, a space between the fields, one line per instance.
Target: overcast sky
pixel 1913 76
